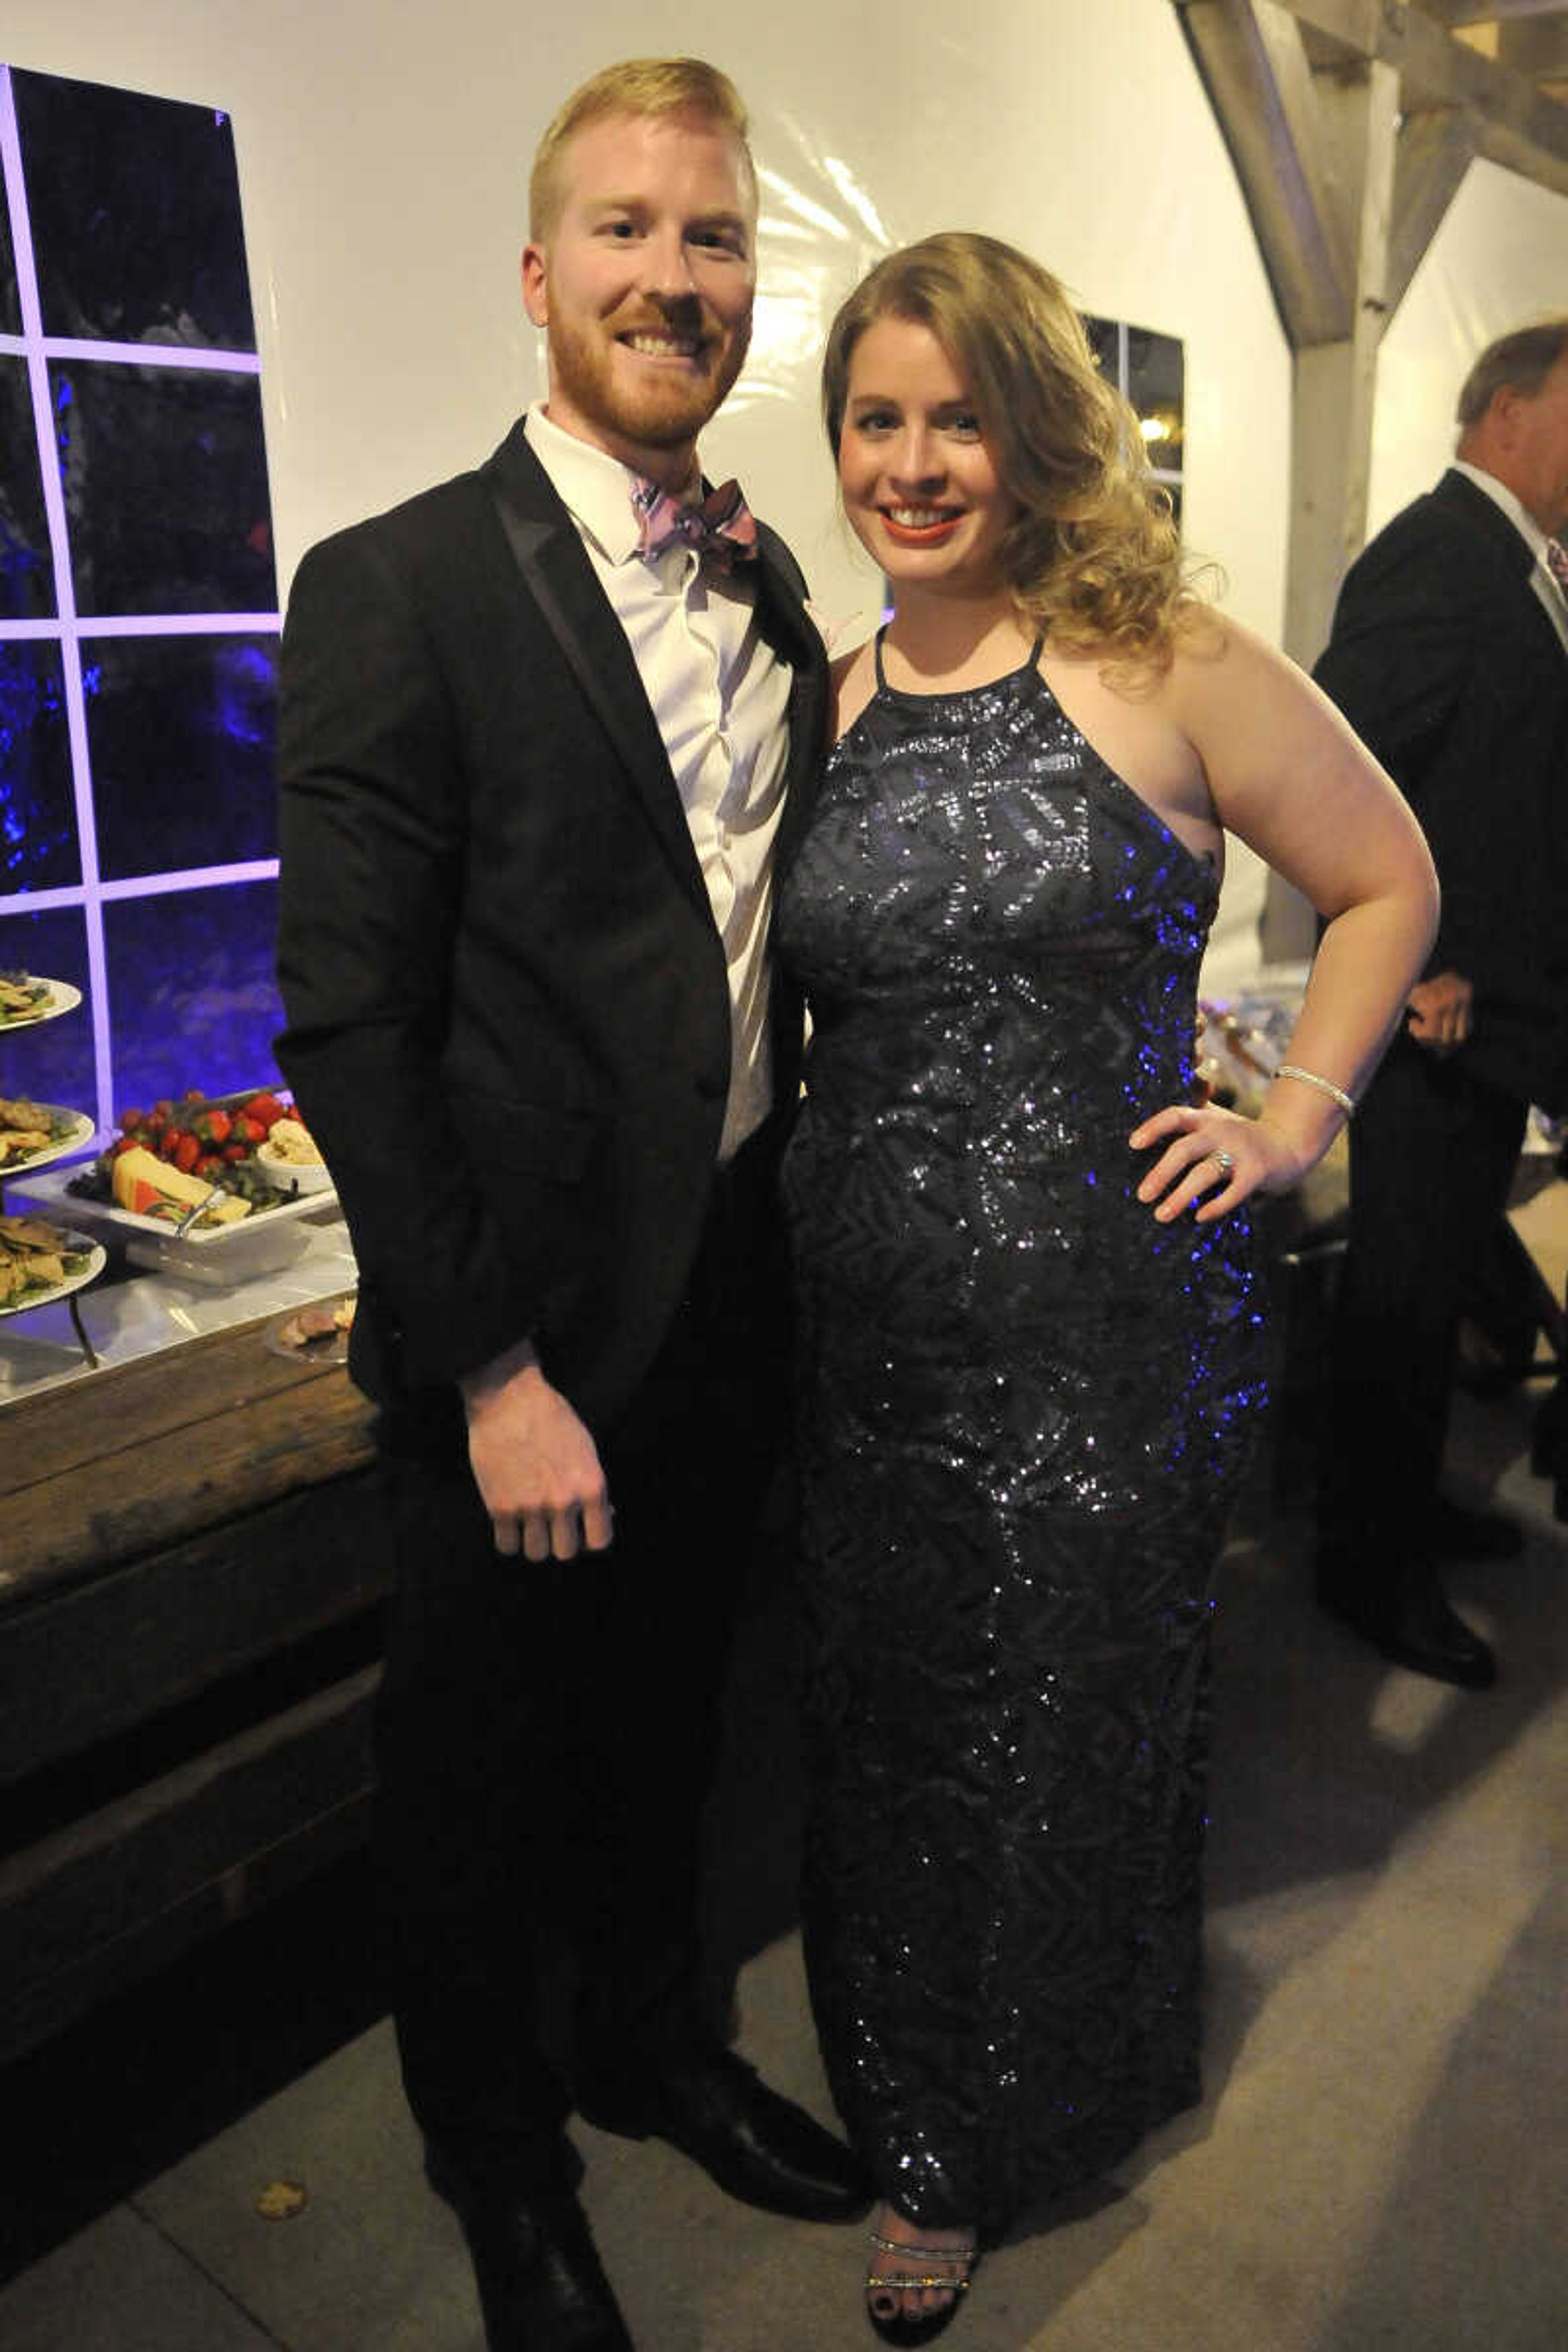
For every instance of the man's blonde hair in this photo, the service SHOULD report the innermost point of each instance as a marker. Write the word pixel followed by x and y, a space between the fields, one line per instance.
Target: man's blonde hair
pixel 638 85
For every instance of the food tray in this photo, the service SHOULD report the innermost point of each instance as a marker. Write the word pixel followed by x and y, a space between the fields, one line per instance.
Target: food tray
pixel 76 1137
pixel 259 1243
pixel 97 1259
pixel 62 998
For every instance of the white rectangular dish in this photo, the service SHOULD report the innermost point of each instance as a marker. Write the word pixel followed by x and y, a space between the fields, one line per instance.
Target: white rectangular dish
pixel 259 1243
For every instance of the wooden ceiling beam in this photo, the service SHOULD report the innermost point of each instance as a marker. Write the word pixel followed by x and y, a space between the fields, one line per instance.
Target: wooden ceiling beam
pixel 1488 12
pixel 1434 154
pixel 1253 66
pixel 1514 124
pixel 1539 50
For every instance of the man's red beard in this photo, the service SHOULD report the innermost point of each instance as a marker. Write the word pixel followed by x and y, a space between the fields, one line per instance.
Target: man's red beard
pixel 661 413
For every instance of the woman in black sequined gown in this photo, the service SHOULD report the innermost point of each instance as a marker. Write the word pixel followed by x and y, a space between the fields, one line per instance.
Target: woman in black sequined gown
pixel 1031 1359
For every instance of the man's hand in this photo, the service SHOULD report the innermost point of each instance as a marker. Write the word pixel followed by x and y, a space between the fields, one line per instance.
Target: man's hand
pixel 536 1467
pixel 1440 1014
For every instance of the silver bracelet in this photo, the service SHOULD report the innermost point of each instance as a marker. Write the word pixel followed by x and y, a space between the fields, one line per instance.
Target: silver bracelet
pixel 1324 1086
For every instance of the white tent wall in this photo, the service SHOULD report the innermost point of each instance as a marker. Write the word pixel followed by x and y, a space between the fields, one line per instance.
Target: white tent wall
pixel 1500 260
pixel 383 155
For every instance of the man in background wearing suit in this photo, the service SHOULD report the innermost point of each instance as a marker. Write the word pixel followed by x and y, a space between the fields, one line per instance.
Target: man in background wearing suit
pixel 547 733
pixel 1449 656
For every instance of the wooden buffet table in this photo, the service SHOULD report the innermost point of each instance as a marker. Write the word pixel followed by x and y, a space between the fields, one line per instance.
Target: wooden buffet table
pixel 189 1604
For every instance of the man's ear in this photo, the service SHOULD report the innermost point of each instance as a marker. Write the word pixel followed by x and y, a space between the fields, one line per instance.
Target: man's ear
pixel 534 298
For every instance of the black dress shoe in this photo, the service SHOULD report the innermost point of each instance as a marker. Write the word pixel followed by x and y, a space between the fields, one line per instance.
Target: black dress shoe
pixel 757 2147
pixel 1419 1631
pixel 542 2286
pixel 1549 1446
pixel 1454 1531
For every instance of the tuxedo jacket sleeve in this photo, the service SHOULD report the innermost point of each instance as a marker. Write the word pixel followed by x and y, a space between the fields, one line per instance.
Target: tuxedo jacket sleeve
pixel 506 1003
pixel 1445 662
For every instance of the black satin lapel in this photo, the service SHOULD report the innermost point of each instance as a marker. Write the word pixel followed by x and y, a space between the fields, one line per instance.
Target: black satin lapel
pixel 549 556
pixel 794 636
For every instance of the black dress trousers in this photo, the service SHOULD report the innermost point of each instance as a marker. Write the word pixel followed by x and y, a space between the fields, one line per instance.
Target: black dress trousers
pixel 1432 1151
pixel 547 1732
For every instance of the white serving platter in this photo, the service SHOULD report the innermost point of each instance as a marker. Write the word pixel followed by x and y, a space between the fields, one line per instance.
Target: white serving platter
pixel 97 1259
pixel 258 1244
pixel 62 998
pixel 79 1132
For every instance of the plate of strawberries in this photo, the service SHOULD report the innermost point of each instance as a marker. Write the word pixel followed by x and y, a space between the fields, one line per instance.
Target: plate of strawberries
pixel 192 1168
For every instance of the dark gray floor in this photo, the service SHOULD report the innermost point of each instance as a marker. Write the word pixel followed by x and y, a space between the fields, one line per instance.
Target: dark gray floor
pixel 1378 2164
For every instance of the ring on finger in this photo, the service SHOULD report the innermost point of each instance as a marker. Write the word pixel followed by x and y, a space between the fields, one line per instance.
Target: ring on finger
pixel 1224 1160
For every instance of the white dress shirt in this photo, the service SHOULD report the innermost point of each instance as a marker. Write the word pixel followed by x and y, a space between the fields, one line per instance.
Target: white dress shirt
pixel 1543 579
pixel 720 696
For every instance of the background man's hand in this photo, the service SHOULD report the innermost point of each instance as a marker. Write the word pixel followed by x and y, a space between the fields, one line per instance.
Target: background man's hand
pixel 1441 1012
pixel 534 1462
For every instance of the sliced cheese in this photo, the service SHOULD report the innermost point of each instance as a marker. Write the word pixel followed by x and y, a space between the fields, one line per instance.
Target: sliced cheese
pixel 142 1182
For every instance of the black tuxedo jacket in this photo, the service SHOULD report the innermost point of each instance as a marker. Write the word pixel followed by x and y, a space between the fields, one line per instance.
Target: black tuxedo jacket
pixel 1445 662
pixel 506 1003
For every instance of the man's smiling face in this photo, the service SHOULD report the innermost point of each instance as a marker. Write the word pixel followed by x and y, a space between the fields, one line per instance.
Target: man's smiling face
pixel 643 286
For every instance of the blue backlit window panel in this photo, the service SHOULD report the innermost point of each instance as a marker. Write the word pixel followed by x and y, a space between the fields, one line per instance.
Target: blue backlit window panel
pixel 199 964
pixel 38 847
pixel 136 221
pixel 138 620
pixel 26 575
pixel 180 730
pixel 53 1063
pixel 165 481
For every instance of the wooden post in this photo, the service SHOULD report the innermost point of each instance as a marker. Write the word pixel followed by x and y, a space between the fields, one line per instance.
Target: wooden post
pixel 1334 382
pixel 1333 387
pixel 1344 197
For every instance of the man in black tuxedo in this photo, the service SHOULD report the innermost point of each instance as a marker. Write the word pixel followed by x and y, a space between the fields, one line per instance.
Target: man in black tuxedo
pixel 1450 655
pixel 546 735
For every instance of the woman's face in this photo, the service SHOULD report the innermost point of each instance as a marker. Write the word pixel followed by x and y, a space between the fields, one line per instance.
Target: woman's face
pixel 917 481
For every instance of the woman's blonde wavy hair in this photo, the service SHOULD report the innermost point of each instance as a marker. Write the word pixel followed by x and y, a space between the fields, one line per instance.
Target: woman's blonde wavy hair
pixel 1092 559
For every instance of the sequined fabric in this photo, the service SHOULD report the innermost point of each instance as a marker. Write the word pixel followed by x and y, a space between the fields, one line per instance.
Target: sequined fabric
pixel 1026 1405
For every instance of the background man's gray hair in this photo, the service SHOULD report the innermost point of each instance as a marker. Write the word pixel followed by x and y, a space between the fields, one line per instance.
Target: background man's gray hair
pixel 1523 359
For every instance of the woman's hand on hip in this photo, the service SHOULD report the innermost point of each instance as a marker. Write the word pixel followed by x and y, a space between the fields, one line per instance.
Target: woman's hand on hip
pixel 1212 1161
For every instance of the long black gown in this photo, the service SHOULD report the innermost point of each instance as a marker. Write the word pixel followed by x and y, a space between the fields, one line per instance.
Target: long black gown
pixel 1025 1408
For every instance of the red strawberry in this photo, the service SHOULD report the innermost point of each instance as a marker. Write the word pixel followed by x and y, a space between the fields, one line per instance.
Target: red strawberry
pixel 187 1151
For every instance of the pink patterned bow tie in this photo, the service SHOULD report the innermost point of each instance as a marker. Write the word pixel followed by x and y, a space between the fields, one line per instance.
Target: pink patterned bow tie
pixel 721 525
pixel 1557 562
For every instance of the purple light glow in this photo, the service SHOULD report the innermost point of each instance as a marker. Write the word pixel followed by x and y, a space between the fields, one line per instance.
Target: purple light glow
pixel 151 625
pixel 40 902
pixel 169 355
pixel 65 592
pixel 72 633
pixel 137 886
pixel 193 877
